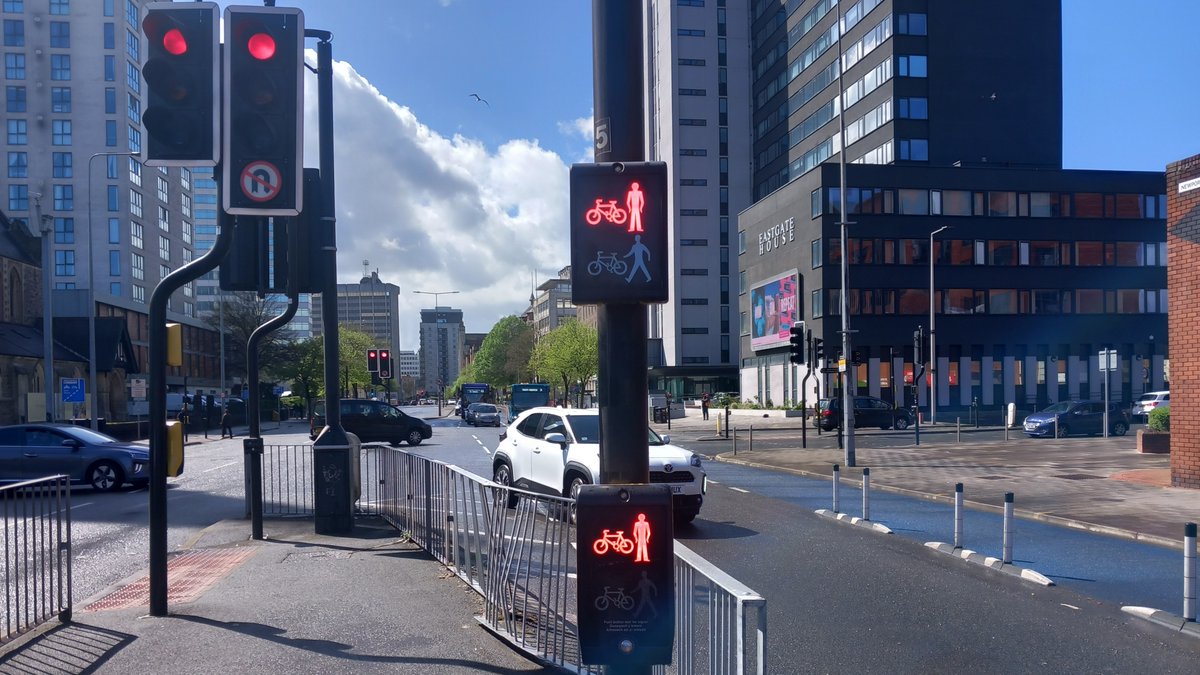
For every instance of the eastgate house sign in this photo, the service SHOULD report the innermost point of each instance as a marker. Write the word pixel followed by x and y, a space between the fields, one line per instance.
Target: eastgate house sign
pixel 777 236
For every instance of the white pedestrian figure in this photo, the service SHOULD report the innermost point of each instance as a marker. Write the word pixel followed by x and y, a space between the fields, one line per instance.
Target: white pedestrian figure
pixel 640 254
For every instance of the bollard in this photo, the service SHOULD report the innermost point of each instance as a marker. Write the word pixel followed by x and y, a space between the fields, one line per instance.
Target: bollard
pixel 735 441
pixel 751 441
pixel 1189 572
pixel 958 514
pixel 866 493
pixel 958 430
pixel 1056 426
pixel 836 484
pixel 1008 523
pixel 1006 430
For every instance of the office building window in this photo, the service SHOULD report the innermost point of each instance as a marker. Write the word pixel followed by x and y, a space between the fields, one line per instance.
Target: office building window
pixel 64 263
pixel 135 234
pixel 135 203
pixel 18 132
pixel 133 46
pixel 14 99
pixel 60 99
pixel 14 33
pixel 164 247
pixel 61 132
pixel 138 293
pixel 60 7
pixel 913 65
pixel 18 165
pixel 133 77
pixel 18 197
pixel 114 230
pixel 60 67
pixel 690 32
pixel 915 149
pixel 14 66
pixel 60 34
pixel 914 108
pixel 114 263
pixel 64 197
pixel 912 24
pixel 137 266
pixel 110 68
pixel 64 230
pixel 14 6
pixel 114 288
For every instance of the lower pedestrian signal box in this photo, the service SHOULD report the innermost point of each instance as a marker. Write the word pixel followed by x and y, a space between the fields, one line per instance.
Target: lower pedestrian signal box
pixel 626 574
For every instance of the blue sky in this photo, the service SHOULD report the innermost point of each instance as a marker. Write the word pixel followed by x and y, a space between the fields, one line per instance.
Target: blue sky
pixel 440 192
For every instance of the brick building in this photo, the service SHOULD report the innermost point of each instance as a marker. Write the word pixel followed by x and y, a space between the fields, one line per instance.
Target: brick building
pixel 1183 293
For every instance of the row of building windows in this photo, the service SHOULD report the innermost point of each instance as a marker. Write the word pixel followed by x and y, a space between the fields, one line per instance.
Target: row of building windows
pixel 1006 301
pixel 996 252
pixel 995 203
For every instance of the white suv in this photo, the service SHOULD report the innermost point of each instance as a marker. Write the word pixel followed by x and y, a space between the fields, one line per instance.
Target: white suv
pixel 556 450
pixel 1148 402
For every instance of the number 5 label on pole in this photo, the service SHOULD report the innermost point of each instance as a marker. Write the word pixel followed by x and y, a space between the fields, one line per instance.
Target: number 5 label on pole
pixel 601 140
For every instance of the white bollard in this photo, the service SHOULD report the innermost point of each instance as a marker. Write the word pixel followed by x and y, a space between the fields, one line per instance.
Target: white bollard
pixel 1008 521
pixel 958 514
pixel 837 482
pixel 1189 572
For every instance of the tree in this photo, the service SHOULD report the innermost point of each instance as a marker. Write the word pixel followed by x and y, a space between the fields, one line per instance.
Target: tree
pixel 570 354
pixel 303 365
pixel 243 314
pixel 503 358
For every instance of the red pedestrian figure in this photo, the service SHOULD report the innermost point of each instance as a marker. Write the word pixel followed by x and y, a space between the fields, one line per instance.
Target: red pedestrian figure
pixel 641 537
pixel 635 200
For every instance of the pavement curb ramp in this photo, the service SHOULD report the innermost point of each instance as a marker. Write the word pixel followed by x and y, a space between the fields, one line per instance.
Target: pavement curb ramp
pixel 991 563
pixel 979 506
pixel 1165 619
pixel 854 520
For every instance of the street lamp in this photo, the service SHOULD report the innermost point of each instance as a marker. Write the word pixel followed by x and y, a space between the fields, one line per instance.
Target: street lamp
pixel 442 374
pixel 91 293
pixel 932 334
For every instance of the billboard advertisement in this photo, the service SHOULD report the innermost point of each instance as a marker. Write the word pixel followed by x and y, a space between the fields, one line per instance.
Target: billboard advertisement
pixel 774 305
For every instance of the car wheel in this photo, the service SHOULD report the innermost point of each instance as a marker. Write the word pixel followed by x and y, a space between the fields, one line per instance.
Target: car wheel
pixel 414 437
pixel 394 444
pixel 900 424
pixel 573 488
pixel 502 475
pixel 1063 431
pixel 1120 428
pixel 104 476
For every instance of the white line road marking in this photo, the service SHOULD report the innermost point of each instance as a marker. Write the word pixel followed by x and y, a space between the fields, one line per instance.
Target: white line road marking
pixel 740 490
pixel 1066 605
pixel 220 467
pixel 485 448
pixel 712 482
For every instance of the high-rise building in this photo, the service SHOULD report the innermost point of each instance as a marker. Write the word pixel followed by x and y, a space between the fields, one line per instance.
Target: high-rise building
pixel 73 106
pixel 699 124
pixel 371 306
pixel 442 342
pixel 407 364
pixel 552 303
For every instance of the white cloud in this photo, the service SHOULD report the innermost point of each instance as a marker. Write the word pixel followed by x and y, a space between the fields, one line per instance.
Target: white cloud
pixel 433 213
pixel 584 128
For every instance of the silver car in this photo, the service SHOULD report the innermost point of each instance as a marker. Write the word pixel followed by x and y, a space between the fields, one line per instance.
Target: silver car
pixel 479 414
pixel 29 451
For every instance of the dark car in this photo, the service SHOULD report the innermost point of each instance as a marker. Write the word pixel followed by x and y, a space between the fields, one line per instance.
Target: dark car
pixel 1077 417
pixel 373 422
pixel 29 451
pixel 868 412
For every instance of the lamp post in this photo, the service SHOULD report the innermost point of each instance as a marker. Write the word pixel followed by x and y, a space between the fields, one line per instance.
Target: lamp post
pixel 932 335
pixel 91 293
pixel 46 228
pixel 442 376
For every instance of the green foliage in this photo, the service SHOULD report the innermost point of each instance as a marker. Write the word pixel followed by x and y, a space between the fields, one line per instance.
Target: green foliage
pixel 568 354
pixel 1160 419
pixel 503 358
pixel 303 365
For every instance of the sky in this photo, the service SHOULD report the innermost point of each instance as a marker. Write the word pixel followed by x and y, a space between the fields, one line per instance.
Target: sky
pixel 440 192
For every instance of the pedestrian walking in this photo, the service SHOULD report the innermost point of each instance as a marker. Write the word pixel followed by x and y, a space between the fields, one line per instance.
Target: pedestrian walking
pixel 704 404
pixel 226 423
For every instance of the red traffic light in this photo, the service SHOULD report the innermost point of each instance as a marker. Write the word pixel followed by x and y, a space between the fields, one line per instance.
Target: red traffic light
pixel 372 354
pixel 174 42
pixel 261 46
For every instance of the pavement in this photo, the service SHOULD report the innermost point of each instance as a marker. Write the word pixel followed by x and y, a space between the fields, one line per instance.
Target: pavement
pixel 372 601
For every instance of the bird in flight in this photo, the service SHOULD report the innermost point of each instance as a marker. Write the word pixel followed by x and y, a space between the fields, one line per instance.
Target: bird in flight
pixel 481 100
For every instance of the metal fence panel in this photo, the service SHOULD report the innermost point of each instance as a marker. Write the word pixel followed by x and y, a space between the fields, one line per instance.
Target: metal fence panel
pixel 36 544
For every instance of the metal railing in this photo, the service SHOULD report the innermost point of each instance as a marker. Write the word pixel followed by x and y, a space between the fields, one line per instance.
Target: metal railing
pixel 288 480
pixel 36 544
pixel 522 561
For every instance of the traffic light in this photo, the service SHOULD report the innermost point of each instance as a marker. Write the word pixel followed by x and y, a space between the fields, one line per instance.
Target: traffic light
pixel 182 86
pixel 796 351
pixel 856 356
pixel 385 364
pixel 263 137
pixel 818 349
pixel 373 360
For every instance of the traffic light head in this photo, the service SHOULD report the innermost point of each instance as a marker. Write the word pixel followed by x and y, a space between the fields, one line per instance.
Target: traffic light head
pixel 182 86
pixel 263 111
pixel 818 348
pixel 797 343
pixel 373 360
pixel 385 364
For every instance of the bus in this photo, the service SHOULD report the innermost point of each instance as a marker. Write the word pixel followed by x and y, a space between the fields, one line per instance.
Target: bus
pixel 473 393
pixel 526 396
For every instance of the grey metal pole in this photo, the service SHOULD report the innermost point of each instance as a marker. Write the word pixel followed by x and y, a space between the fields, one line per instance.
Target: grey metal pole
pixel 932 335
pixel 735 441
pixel 848 379
pixel 866 490
pixel 44 227
pixel 1008 531
pixel 958 430
pixel 751 440
pixel 1189 572
pixel 837 483
pixel 958 515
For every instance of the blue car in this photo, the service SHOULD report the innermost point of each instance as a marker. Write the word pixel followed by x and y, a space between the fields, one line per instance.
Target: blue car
pixel 1076 417
pixel 29 451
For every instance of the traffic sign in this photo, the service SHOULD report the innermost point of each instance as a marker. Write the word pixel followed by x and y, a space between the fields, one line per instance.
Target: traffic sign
pixel 137 388
pixel 1108 360
pixel 619 222
pixel 261 181
pixel 72 390
pixel 829 369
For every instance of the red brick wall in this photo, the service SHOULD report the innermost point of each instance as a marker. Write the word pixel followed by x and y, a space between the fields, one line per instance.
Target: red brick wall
pixel 1183 303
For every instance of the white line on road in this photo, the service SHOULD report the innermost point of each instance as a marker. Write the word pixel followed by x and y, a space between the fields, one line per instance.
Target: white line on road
pixel 220 467
pixel 739 490
pixel 712 482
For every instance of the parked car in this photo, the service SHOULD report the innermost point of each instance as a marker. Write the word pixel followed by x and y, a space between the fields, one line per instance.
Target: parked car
pixel 29 451
pixel 479 414
pixel 1148 402
pixel 555 451
pixel 1077 417
pixel 868 412
pixel 373 421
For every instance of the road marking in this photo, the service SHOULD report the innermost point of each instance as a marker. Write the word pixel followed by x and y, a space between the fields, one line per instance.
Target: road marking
pixel 219 467
pixel 485 448
pixel 712 482
pixel 1066 605
pixel 739 490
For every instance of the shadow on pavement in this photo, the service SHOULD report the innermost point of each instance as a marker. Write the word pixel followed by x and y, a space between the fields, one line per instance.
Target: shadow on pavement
pixel 69 648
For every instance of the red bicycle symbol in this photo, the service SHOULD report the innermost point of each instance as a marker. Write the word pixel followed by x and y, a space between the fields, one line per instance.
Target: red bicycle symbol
pixel 608 211
pixel 616 541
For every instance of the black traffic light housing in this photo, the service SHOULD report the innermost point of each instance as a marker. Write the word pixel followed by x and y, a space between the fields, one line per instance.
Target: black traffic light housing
pixel 263 111
pixel 797 343
pixel 373 360
pixel 182 84
pixel 385 364
pixel 818 349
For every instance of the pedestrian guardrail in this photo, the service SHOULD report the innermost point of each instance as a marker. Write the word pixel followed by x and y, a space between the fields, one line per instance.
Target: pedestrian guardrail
pixel 36 543
pixel 521 559
pixel 288 480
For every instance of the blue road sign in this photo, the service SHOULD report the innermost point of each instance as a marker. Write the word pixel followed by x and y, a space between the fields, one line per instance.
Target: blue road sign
pixel 72 390
pixel 277 389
